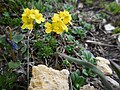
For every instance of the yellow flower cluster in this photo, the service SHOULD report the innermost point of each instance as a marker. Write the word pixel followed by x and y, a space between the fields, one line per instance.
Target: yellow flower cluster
pixel 29 16
pixel 59 22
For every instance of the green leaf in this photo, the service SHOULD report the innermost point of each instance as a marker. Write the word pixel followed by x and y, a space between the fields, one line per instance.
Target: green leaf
pixel 24 48
pixel 2 42
pixel 12 1
pixel 72 77
pixel 77 80
pixel 18 38
pixel 84 71
pixel 2 80
pixel 6 14
pixel 116 68
pixel 13 65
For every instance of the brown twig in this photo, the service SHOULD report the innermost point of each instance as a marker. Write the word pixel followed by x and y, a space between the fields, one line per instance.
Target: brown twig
pixel 99 43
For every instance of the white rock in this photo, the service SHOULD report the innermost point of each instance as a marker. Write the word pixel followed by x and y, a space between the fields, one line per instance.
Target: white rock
pixel 103 60
pixel 45 78
pixel 103 65
pixel 80 5
pixel 118 1
pixel 87 87
pixel 109 28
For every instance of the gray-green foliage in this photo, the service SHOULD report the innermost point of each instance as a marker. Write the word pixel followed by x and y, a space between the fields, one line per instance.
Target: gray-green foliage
pixel 80 32
pixel 7 20
pixel 77 80
pixel 45 49
pixel 113 7
pixel 116 68
pixel 88 57
pixel 69 49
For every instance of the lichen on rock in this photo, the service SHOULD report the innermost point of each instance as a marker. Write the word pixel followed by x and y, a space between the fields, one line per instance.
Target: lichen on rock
pixel 88 87
pixel 103 65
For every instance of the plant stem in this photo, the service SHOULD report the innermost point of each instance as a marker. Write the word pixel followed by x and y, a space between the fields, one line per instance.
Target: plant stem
pixel 12 51
pixel 29 32
pixel 5 58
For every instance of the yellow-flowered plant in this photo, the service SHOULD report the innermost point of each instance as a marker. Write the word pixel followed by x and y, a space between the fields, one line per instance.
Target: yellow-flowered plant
pixel 65 17
pixel 29 16
pixel 59 22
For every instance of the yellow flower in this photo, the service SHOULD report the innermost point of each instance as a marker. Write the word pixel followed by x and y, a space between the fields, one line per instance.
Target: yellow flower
pixel 65 17
pixel 29 16
pixel 37 16
pixel 28 26
pixel 26 12
pixel 56 18
pixel 59 27
pixel 27 20
pixel 49 27
pixel 59 22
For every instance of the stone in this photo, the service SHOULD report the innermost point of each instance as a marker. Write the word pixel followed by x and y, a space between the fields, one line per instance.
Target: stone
pixel 103 65
pixel 109 28
pixel 44 78
pixel 118 1
pixel 80 5
pixel 88 87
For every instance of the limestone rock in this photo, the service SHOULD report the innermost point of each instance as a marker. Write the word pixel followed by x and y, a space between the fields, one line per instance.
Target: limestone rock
pixel 87 87
pixel 118 1
pixel 80 5
pixel 103 65
pixel 45 78
pixel 109 28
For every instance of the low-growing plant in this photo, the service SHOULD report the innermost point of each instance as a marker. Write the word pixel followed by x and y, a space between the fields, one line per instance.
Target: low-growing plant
pixel 88 56
pixel 7 80
pixel 75 17
pixel 88 2
pixel 117 30
pixel 79 33
pixel 8 77
pixel 7 20
pixel 77 80
pixel 43 50
pixel 69 49
pixel 113 7
pixel 66 63
pixel 85 25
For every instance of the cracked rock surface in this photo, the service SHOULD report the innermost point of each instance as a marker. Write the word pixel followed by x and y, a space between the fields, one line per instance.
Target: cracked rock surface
pixel 45 78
